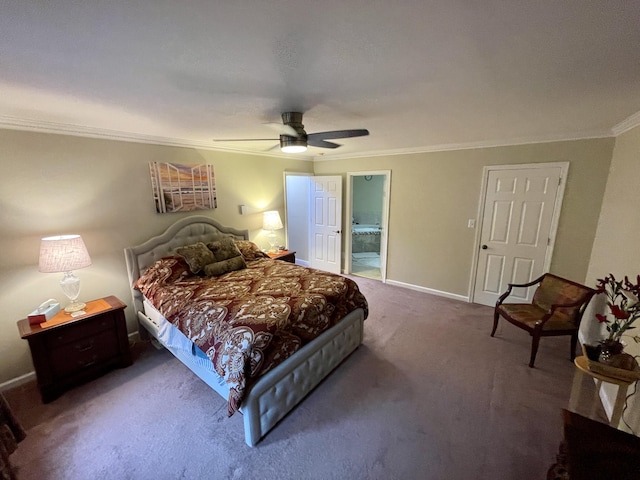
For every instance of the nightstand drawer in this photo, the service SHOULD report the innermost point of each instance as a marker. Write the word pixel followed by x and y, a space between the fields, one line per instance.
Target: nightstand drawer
pixel 84 353
pixel 74 332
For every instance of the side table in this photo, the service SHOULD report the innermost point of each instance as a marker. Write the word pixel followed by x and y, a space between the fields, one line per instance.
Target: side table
pixel 284 255
pixel 76 349
pixel 582 368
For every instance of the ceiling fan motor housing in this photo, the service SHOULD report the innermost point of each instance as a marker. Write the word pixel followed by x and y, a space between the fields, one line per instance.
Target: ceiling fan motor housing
pixel 294 120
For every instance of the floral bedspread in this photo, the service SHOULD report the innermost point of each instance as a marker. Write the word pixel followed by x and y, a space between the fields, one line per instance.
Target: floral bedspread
pixel 250 320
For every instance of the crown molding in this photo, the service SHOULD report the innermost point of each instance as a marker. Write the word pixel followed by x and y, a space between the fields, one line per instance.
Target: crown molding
pixel 626 125
pixel 15 123
pixel 470 145
pixel 41 126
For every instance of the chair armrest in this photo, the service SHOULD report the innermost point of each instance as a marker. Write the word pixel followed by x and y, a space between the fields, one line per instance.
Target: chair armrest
pixel 504 296
pixel 531 283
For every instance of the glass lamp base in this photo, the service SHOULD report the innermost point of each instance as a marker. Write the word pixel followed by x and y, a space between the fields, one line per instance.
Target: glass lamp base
pixel 71 287
pixel 272 242
pixel 75 307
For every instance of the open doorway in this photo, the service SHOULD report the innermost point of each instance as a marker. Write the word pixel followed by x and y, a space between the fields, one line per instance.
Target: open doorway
pixel 367 223
pixel 297 190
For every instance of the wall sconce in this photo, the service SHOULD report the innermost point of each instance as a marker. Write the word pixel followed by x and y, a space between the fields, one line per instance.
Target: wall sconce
pixel 65 253
pixel 271 221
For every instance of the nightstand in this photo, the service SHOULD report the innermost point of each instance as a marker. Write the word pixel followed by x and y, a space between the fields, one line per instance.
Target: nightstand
pixel 284 255
pixel 78 349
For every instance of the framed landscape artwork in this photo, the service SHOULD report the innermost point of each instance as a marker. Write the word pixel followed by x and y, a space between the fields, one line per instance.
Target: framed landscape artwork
pixel 182 188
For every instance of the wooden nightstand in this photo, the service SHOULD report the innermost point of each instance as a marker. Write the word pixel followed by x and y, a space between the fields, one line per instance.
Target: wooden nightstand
pixel 80 349
pixel 284 255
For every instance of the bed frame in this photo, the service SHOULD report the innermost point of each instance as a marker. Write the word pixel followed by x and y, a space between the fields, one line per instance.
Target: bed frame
pixel 277 392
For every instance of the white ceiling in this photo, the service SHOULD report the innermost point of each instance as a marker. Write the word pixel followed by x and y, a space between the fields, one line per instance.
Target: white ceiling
pixel 420 75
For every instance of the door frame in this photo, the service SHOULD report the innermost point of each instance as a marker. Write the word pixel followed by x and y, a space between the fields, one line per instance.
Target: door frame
pixel 555 219
pixel 384 237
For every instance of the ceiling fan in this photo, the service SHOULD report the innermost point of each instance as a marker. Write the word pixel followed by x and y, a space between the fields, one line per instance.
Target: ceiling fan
pixel 294 139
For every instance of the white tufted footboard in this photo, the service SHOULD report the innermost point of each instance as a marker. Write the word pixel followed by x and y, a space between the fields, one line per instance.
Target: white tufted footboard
pixel 282 388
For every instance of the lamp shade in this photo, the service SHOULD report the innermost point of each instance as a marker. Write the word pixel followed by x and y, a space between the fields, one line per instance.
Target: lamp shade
pixel 271 220
pixel 63 253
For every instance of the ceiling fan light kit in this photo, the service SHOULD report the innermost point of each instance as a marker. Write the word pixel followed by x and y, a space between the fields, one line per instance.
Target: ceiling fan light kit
pixel 293 144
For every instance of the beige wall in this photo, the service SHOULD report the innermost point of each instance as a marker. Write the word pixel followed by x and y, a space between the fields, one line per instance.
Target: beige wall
pixel 434 194
pixel 54 184
pixel 615 248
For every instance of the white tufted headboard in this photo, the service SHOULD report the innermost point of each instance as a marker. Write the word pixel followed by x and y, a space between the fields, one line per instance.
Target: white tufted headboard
pixel 188 230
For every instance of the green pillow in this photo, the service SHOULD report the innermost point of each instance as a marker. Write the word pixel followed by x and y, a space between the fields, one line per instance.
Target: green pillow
pixel 219 268
pixel 224 249
pixel 196 256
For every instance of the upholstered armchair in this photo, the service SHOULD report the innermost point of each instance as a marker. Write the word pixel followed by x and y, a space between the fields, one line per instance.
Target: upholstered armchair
pixel 556 309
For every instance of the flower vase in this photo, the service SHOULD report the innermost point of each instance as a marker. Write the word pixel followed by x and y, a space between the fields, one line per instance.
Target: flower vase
pixel 608 349
pixel 592 351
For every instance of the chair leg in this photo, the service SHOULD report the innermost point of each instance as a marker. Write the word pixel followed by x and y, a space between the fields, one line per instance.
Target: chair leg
pixel 495 321
pixel 534 348
pixel 574 343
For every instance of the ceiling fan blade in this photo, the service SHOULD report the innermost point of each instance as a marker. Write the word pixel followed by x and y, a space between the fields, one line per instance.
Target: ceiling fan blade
pixel 245 140
pixel 340 134
pixel 318 142
pixel 283 129
pixel 270 149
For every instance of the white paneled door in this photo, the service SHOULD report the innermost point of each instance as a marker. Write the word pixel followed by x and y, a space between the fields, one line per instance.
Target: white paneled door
pixel 519 214
pixel 326 223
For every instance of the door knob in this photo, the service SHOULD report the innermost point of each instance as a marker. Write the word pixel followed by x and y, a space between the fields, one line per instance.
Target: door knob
pixel 336 231
pixel 484 247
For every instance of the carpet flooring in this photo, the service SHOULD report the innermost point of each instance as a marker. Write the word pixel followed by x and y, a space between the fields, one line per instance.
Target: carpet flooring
pixel 429 395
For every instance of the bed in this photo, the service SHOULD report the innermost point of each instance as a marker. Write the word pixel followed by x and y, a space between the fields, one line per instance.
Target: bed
pixel 264 400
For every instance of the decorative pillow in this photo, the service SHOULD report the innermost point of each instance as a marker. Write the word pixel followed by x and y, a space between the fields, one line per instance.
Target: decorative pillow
pixel 218 268
pixel 161 272
pixel 249 250
pixel 223 249
pixel 196 255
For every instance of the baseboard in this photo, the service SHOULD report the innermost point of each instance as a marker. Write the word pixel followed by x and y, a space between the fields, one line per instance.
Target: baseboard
pixel 16 382
pixel 27 377
pixel 432 291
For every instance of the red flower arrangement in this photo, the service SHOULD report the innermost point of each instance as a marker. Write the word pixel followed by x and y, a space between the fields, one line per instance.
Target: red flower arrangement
pixel 624 306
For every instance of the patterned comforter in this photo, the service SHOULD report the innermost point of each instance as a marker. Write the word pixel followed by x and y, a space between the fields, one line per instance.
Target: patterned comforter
pixel 250 320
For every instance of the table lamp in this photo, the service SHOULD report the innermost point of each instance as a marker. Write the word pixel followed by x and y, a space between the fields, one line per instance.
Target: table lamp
pixel 271 221
pixel 64 253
